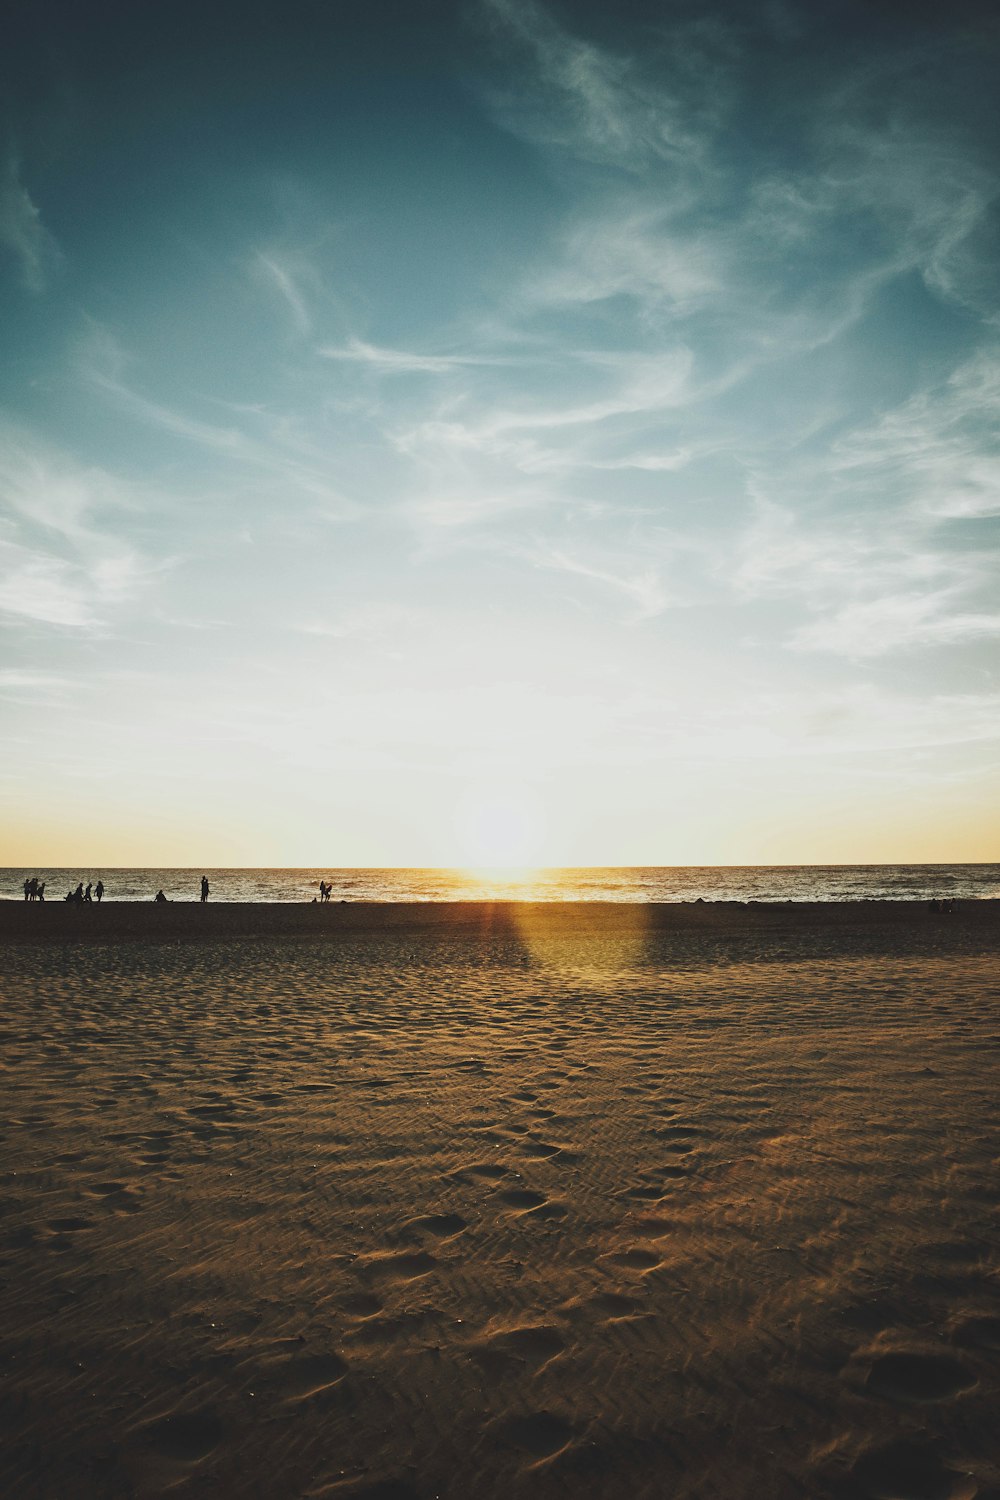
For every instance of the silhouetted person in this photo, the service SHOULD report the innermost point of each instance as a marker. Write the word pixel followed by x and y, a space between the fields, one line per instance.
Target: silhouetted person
pixel 159 897
pixel 41 890
pixel 78 894
pixel 33 888
pixel 87 893
pixel 27 889
pixel 99 891
pixel 68 896
pixel 204 887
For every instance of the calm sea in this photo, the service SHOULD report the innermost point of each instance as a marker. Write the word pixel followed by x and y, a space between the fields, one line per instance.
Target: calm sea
pixel 643 883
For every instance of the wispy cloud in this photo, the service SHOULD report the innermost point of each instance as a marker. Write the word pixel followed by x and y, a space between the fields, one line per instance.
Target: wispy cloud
pixel 22 232
pixel 62 562
pixel 606 107
pixel 940 450
pixel 257 439
pixel 47 589
pixel 404 362
pixel 20 685
pixel 287 276
pixel 876 627
pixel 372 623
pixel 643 587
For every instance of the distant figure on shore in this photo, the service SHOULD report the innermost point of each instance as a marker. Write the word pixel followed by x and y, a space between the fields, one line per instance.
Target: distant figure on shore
pixel 204 887
pixel 41 890
pixel 161 897
pixel 27 889
pixel 87 895
pixel 325 887
pixel 78 894
pixel 99 891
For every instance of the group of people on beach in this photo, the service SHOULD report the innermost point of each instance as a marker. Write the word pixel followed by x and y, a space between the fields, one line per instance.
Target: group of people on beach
pixel 159 898
pixel 81 894
pixel 34 890
pixel 325 887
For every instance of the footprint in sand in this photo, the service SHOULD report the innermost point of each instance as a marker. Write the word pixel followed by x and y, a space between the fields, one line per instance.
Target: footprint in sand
pixel 404 1266
pixel 380 1489
pixel 979 1333
pixel 119 1197
pixel 522 1199
pixel 609 1306
pixel 184 1437
pixel 360 1305
pixel 637 1259
pixel 492 1171
pixel 539 1150
pixel 904 1470
pixel 650 1227
pixel 680 1138
pixel 542 1434
pixel 441 1226
pixel 548 1211
pixel 221 1111
pixel 919 1377
pixel 536 1344
pixel 308 1374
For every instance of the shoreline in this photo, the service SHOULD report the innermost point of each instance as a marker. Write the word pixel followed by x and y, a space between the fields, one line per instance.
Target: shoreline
pixel 841 925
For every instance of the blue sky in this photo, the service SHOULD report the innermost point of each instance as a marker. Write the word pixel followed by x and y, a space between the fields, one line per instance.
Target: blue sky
pixel 500 430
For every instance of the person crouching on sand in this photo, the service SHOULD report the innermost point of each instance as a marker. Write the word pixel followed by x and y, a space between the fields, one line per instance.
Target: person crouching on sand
pixel 158 898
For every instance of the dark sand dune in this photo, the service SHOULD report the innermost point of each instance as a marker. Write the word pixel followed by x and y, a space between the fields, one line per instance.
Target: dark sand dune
pixel 402 1202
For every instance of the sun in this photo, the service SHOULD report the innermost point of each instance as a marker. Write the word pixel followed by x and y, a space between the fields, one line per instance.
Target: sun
pixel 499 827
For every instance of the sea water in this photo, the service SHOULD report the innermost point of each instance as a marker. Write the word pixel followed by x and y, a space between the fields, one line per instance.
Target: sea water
pixel 640 883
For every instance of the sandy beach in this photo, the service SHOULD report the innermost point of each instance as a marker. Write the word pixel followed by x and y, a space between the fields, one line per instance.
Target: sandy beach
pixel 487 1200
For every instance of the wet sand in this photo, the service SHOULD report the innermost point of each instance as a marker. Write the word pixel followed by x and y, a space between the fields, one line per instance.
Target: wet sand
pixel 490 1200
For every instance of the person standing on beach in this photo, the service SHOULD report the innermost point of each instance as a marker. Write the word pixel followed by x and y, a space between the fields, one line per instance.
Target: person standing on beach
pixel 204 887
pixel 41 890
pixel 99 891
pixel 27 889
pixel 87 893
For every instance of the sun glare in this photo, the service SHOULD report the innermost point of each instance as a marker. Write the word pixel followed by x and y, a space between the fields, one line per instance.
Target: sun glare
pixel 499 829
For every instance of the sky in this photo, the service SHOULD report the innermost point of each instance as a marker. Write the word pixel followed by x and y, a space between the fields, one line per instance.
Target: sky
pixel 470 433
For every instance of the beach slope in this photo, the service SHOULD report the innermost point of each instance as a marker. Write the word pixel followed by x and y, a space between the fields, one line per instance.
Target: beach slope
pixel 492 1200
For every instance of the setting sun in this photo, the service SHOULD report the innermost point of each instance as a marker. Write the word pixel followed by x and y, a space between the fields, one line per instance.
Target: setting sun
pixel 499 827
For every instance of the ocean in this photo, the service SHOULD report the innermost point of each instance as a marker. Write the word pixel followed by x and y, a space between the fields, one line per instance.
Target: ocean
pixel 640 883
